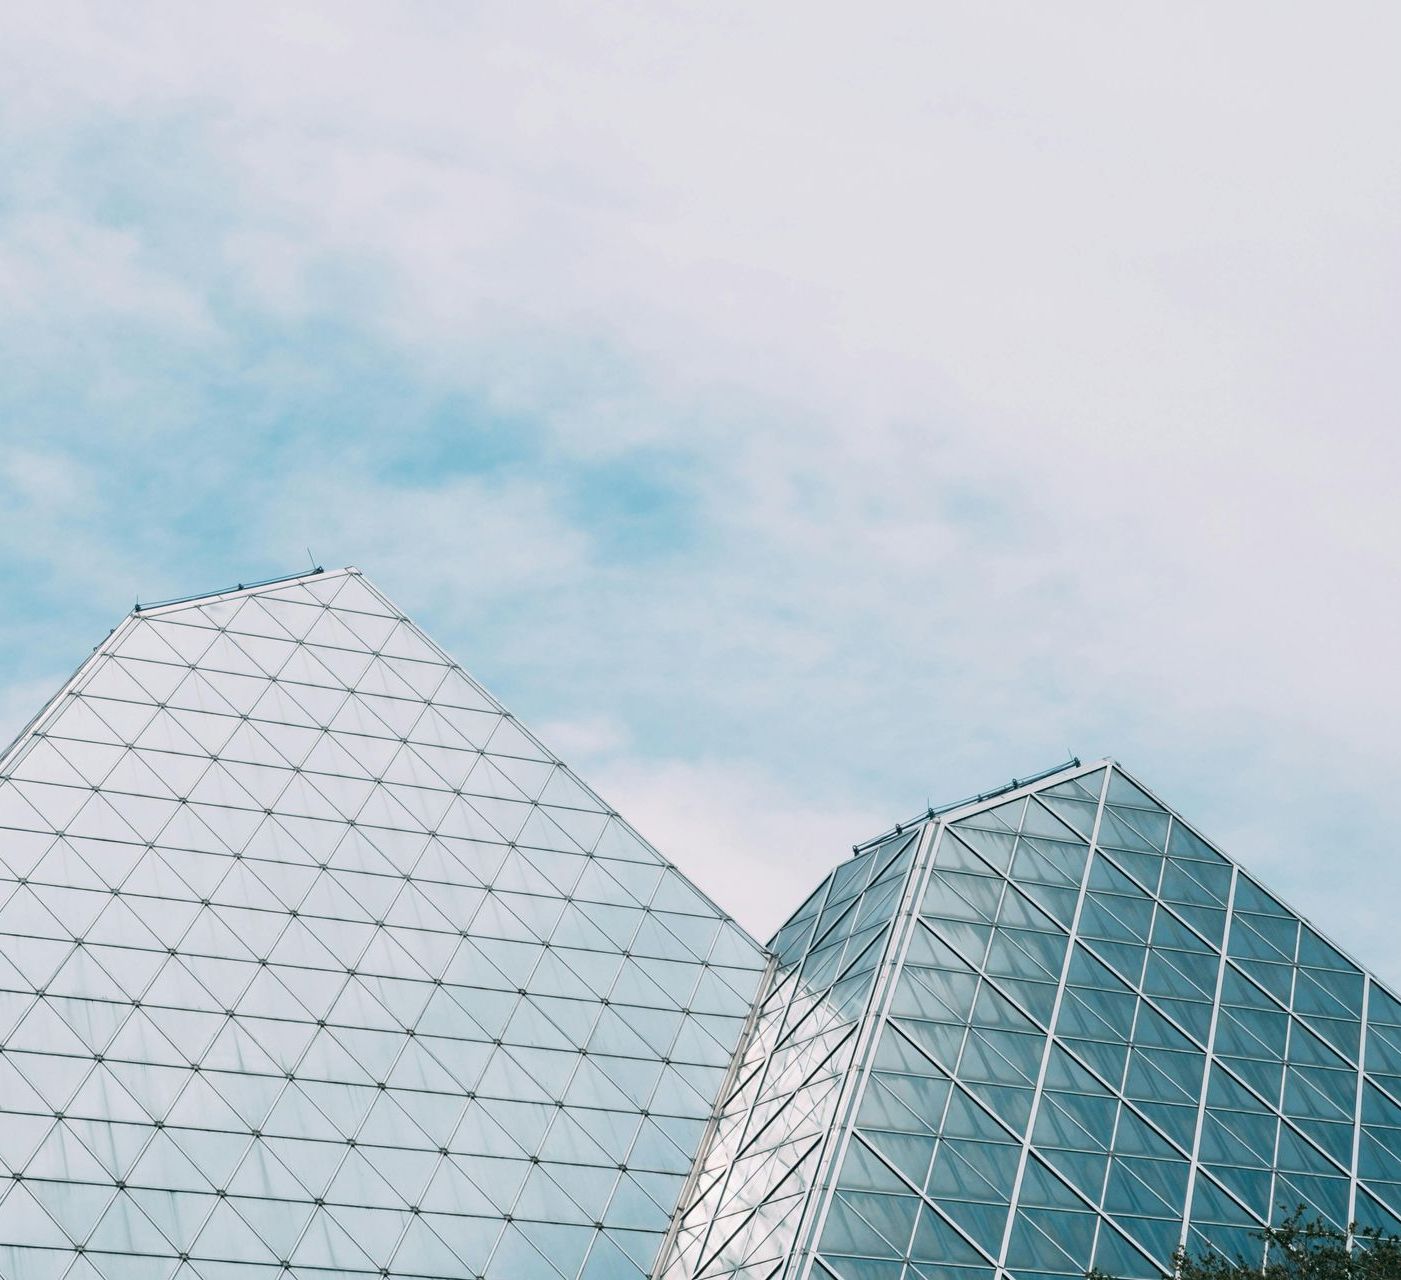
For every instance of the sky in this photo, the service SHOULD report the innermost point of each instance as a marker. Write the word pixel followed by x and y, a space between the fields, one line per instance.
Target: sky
pixel 796 413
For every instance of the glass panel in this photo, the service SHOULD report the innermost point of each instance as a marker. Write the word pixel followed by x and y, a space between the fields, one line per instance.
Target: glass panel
pixel 339 965
pixel 312 953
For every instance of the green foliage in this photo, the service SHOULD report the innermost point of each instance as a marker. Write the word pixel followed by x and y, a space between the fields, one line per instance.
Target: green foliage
pixel 1299 1249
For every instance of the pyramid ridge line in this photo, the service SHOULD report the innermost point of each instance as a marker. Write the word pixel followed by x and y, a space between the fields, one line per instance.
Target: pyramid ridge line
pixel 1074 768
pixel 142 612
pixel 583 782
pixel 1367 971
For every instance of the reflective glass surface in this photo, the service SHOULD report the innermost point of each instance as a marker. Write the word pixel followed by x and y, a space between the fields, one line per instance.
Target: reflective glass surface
pixel 314 963
pixel 779 1123
pixel 1098 1040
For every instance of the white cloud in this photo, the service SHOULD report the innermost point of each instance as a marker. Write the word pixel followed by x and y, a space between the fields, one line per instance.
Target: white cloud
pixel 1031 371
pixel 593 738
pixel 53 510
pixel 63 270
pixel 754 844
pixel 500 538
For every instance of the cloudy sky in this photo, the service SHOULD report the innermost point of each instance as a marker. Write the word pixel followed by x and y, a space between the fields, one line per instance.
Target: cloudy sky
pixel 797 413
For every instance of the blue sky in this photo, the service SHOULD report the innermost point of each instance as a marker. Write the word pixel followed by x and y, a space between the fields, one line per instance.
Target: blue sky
pixel 796 418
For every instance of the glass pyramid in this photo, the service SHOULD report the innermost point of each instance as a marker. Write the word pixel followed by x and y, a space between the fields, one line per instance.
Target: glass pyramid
pixel 314 963
pixel 1041 1031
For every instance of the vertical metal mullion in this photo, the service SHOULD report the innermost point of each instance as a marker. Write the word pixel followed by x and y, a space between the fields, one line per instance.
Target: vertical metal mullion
pixel 1207 1064
pixel 1284 1074
pixel 838 1135
pixel 1119 1099
pixel 765 1069
pixel 1051 1026
pixel 980 970
pixel 1357 1106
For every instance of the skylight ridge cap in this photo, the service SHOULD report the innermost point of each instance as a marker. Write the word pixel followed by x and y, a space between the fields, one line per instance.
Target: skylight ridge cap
pixel 1071 768
pixel 159 607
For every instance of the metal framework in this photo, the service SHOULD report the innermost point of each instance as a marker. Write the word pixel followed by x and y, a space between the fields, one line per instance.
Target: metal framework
pixel 314 963
pixel 1093 1039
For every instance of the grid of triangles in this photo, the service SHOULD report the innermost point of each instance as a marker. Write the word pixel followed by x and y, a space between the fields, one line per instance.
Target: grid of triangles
pixel 314 963
pixel 1103 1040
pixel 778 1120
